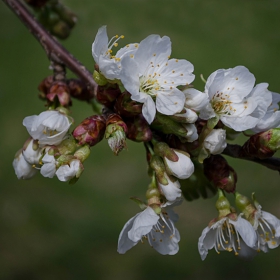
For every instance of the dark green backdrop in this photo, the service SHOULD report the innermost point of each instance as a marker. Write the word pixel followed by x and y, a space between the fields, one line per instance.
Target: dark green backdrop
pixel 51 230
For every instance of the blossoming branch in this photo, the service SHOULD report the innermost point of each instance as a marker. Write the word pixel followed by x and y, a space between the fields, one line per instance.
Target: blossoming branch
pixel 139 92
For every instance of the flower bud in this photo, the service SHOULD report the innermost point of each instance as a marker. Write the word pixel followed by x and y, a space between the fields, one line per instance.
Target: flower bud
pixel 61 91
pixel 45 85
pixel 70 171
pixel 22 168
pixel 67 147
pixel 215 141
pixel 127 107
pixel 163 150
pixel 170 187
pixel 79 90
pixel 107 94
pixel 185 116
pixel 116 130
pixel 157 165
pixel 218 172
pixel 263 144
pixel 138 129
pixel 83 153
pixel 31 151
pixel 90 131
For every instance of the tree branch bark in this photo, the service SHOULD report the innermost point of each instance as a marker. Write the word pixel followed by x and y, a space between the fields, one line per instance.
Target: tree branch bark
pixel 54 50
pixel 235 151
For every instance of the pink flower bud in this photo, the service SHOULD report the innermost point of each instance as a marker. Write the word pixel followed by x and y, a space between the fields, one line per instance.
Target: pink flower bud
pixel 90 131
pixel 138 129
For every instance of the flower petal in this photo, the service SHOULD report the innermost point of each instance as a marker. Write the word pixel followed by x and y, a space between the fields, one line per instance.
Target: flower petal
pixel 143 224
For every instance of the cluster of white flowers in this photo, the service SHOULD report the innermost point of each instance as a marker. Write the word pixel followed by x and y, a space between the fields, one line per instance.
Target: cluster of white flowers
pixel 159 93
pixel 146 71
pixel 47 131
pixel 245 236
pixel 163 86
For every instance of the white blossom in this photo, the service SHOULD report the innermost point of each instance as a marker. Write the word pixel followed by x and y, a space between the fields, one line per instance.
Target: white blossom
pixel 32 153
pixel 229 235
pixel 172 190
pixel 68 171
pixel 191 132
pixel 272 117
pixel 215 141
pixel 267 227
pixel 195 99
pixel 159 230
pixel 49 166
pixel 49 128
pixel 234 99
pixel 152 78
pixel 109 65
pixel 183 168
pixel 22 168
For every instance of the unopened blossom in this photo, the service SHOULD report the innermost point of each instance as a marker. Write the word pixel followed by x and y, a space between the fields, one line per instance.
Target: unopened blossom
pixel 49 128
pixel 32 152
pixel 195 99
pixel 68 171
pixel 215 141
pixel 48 168
pixel 171 190
pixel 234 99
pixel 152 78
pixel 183 168
pixel 158 229
pixel 109 64
pixel 191 134
pixel 228 234
pixel 272 117
pixel 22 168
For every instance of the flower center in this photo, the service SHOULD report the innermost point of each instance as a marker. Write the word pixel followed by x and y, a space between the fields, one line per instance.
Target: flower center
pixel 227 238
pixel 221 104
pixel 149 85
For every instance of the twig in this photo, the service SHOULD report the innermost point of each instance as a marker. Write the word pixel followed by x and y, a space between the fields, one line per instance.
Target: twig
pixel 54 50
pixel 235 151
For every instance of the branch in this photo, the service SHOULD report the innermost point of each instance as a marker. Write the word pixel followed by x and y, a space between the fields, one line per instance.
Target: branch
pixel 54 50
pixel 235 151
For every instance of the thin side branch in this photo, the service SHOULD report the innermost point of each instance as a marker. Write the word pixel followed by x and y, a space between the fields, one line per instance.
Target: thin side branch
pixel 235 151
pixel 54 50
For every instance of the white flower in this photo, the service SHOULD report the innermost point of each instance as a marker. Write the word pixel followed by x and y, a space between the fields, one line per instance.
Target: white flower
pixel 152 78
pixel 186 116
pixel 22 168
pixel 49 166
pixel 183 168
pixel 267 227
pixel 159 230
pixel 234 100
pixel 215 141
pixel 172 190
pixel 49 128
pixel 272 117
pixel 195 100
pixel 191 132
pixel 32 153
pixel 67 172
pixel 229 235
pixel 109 65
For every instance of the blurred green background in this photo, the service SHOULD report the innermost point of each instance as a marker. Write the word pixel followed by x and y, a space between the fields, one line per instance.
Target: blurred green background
pixel 52 230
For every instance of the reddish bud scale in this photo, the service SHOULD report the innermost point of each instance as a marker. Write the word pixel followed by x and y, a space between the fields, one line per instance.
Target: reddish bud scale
pixel 126 107
pixel 220 173
pixel 107 95
pixel 256 146
pixel 79 90
pixel 114 118
pixel 90 131
pixel 138 129
pixel 61 91
pixel 45 85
